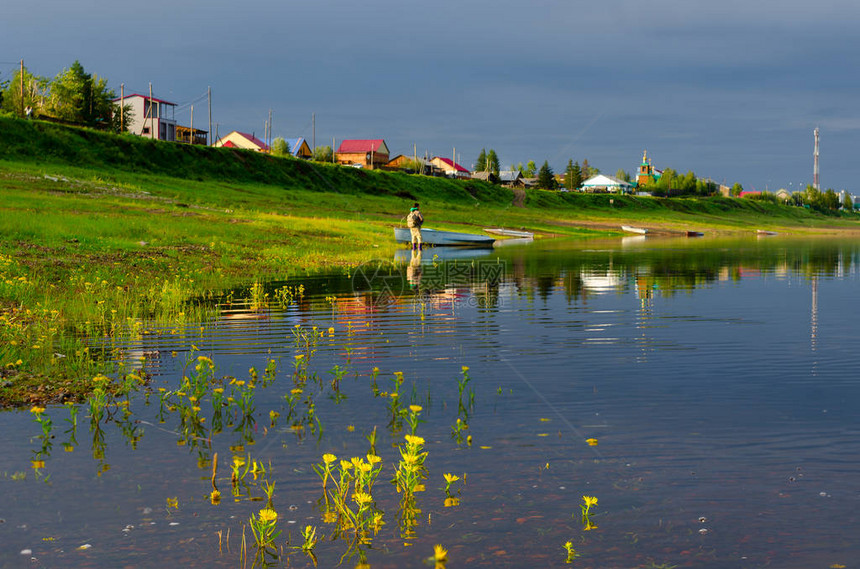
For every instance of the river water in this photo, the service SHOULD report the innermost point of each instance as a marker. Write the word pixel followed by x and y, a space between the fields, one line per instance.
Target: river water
pixel 704 391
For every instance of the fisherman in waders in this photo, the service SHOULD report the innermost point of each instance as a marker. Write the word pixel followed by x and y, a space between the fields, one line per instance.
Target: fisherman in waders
pixel 413 222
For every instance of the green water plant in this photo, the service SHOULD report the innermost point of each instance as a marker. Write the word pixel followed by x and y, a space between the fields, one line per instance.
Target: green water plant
pixel 571 552
pixel 264 528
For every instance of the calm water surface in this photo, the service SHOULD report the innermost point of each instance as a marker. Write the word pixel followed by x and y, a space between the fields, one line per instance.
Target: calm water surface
pixel 718 378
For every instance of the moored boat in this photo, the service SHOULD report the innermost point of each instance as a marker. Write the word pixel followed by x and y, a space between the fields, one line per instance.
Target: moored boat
pixel 631 229
pixel 440 237
pixel 509 232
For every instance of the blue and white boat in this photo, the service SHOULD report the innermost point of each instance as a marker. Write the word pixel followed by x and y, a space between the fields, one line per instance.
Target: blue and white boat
pixel 447 238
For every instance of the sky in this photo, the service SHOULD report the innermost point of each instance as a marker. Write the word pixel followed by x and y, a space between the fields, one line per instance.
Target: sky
pixel 731 90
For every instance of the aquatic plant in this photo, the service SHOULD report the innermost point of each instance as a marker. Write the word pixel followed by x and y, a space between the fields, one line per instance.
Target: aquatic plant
pixel 588 501
pixel 571 552
pixel 264 528
pixel 449 479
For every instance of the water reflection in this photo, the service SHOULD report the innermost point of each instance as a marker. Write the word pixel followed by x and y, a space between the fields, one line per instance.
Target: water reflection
pixel 504 365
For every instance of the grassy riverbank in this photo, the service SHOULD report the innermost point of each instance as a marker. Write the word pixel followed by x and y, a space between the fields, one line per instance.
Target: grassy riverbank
pixel 101 235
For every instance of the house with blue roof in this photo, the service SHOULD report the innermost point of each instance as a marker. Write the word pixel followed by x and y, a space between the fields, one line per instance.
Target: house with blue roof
pixel 299 148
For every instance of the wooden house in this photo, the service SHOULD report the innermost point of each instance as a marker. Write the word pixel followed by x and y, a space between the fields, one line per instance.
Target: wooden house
pixel 450 168
pixel 299 148
pixel 363 153
pixel 242 140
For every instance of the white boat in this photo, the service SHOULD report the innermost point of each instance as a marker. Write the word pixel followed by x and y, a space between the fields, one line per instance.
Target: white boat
pixel 639 230
pixel 509 232
pixel 439 237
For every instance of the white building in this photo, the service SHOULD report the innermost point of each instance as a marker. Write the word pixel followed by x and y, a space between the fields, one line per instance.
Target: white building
pixel 150 117
pixel 603 183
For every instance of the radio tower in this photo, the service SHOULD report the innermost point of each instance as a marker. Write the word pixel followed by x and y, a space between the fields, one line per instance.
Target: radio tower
pixel 815 183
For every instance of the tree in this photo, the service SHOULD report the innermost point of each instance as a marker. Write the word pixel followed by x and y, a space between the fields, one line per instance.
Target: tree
pixel 79 98
pixel 280 147
pixel 830 200
pixel 847 202
pixel 576 176
pixel 481 162
pixel 323 154
pixel 622 175
pixel 546 179
pixel 35 90
pixel 493 161
pixel 530 169
pixel 736 189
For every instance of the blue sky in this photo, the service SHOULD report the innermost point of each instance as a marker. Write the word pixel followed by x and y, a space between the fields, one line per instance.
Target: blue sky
pixel 731 90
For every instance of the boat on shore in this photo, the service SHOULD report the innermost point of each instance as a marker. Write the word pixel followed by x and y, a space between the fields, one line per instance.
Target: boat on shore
pixel 765 232
pixel 631 229
pixel 444 238
pixel 695 234
pixel 509 232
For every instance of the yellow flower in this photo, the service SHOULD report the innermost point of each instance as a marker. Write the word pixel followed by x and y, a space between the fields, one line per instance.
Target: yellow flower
pixel 37 410
pixel 465 369
pixel 440 553
pixel 415 408
pixel 589 501
pixel 173 502
pixel 215 497
pixel 329 517
pixel 449 478
pixel 331 331
pixel 238 461
pixel 591 442
pixel 328 458
pixel 413 440
pixel 373 459
pixel 267 515
pixel 362 498
pixel 345 465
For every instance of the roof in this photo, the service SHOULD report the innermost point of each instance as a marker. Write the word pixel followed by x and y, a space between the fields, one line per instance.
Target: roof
pixel 229 144
pixel 361 145
pixel 253 139
pixel 602 181
pixel 451 163
pixel 295 145
pixel 510 175
pixel 156 99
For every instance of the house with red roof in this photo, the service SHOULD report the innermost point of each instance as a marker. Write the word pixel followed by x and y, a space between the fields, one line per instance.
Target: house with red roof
pixel 242 140
pixel 149 116
pixel 364 153
pixel 451 168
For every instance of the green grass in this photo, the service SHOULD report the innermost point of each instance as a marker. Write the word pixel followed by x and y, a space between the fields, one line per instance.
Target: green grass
pixel 102 234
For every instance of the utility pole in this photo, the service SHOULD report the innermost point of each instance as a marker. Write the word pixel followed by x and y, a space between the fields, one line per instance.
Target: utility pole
pixel 815 183
pixel 332 150
pixel 22 88
pixel 314 130
pixel 121 107
pixel 209 97
pixel 191 134
pixel 269 142
pixel 151 117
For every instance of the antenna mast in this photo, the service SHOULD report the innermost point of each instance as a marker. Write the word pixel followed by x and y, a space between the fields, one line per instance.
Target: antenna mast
pixel 815 183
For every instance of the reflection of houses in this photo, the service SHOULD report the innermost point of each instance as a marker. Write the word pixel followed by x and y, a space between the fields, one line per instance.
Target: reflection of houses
pixel 150 117
pixel 450 168
pixel 601 281
pixel 299 148
pixel 364 153
pixel 242 140
pixel 604 183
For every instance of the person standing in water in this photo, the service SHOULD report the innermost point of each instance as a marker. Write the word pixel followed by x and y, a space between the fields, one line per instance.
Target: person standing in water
pixel 414 221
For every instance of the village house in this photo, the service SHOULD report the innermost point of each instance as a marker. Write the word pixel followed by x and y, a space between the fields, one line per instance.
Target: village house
pixel 412 164
pixel 450 168
pixel 299 148
pixel 150 117
pixel 241 140
pixel 363 153
pixel 511 178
